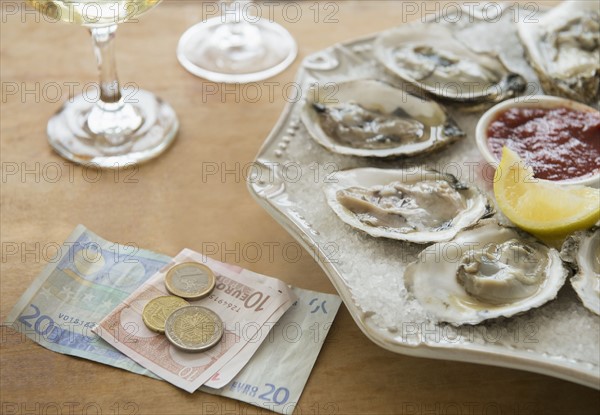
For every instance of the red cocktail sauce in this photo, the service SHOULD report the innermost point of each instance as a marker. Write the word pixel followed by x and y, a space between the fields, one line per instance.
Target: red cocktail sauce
pixel 558 143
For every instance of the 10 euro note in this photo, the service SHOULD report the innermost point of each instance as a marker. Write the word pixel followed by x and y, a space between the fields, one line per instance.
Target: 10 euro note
pixel 244 300
pixel 78 289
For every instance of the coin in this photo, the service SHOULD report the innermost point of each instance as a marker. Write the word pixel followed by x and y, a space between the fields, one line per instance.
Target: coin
pixel 190 280
pixel 194 328
pixel 158 309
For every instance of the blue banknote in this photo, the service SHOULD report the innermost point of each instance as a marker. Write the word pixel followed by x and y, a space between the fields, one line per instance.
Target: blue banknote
pixel 75 291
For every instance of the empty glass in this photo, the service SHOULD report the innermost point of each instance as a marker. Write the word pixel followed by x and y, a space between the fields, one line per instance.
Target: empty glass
pixel 236 47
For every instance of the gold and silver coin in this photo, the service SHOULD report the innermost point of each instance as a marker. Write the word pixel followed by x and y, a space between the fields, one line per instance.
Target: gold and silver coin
pixel 194 328
pixel 157 311
pixel 190 280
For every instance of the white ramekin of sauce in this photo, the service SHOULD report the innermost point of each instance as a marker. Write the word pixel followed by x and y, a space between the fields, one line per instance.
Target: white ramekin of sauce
pixel 559 138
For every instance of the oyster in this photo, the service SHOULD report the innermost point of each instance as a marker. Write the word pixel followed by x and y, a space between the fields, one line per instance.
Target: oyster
pixel 415 205
pixel 486 272
pixel 563 48
pixel 434 60
pixel 582 251
pixel 373 119
pixel 358 127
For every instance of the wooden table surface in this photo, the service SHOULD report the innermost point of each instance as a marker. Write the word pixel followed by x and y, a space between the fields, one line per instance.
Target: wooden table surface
pixel 168 205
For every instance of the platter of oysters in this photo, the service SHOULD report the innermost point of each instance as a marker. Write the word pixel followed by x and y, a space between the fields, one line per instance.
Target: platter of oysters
pixel 392 195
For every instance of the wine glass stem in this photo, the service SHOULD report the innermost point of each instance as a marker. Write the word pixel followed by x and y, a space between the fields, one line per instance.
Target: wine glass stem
pixel 104 48
pixel 233 10
pixel 111 120
pixel 240 38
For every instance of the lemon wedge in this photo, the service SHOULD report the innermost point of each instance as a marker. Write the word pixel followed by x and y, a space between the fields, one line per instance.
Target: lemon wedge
pixel 541 207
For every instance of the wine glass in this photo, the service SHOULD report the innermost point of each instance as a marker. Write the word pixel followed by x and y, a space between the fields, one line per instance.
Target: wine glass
pixel 236 48
pixel 119 126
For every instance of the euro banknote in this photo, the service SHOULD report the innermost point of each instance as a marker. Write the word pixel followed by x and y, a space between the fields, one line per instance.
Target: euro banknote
pixel 277 373
pixel 73 293
pixel 242 299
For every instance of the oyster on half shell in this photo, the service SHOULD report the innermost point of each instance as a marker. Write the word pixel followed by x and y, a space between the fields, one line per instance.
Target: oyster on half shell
pixel 415 205
pixel 374 119
pixel 486 272
pixel 582 251
pixel 563 48
pixel 430 57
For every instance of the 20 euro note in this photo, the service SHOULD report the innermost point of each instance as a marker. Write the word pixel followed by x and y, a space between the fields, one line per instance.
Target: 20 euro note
pixel 73 293
pixel 243 299
pixel 226 374
pixel 277 373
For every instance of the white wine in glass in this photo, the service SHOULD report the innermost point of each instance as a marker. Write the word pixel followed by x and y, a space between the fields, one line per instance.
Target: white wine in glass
pixel 117 128
pixel 95 13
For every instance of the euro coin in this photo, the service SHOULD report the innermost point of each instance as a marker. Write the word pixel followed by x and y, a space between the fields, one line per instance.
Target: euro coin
pixel 190 280
pixel 194 328
pixel 157 310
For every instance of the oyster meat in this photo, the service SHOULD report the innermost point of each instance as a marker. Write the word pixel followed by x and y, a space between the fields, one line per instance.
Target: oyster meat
pixel 415 205
pixel 355 126
pixel 373 119
pixel 486 272
pixel 434 60
pixel 582 251
pixel 563 48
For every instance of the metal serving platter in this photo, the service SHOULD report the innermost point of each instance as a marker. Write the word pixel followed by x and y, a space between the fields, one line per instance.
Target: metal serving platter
pixel 560 339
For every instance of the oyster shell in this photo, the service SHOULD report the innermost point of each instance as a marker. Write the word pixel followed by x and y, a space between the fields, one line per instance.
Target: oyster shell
pixel 374 119
pixel 434 60
pixel 486 272
pixel 563 48
pixel 582 251
pixel 415 205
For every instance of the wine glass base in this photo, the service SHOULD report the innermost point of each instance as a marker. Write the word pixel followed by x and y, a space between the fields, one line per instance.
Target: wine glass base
pixel 71 137
pixel 236 52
